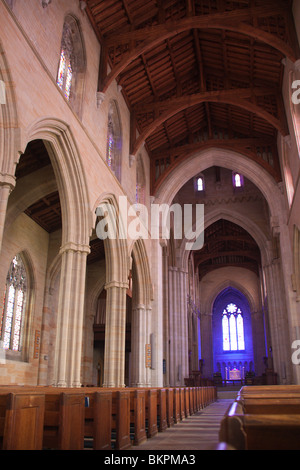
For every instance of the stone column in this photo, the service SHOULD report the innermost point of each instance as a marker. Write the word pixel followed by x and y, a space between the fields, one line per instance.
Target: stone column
pixel 183 277
pixel 7 184
pixel 115 330
pixel 178 326
pixel 139 339
pixel 173 325
pixel 70 316
pixel 278 320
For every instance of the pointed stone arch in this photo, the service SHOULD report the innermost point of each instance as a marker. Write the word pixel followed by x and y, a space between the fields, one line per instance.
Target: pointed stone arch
pixel 143 278
pixel 70 177
pixel 116 285
pixel 9 136
pixel 116 249
pixel 231 160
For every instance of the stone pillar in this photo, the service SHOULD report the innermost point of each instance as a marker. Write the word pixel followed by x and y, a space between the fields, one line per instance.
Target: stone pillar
pixel 7 184
pixel 115 330
pixel 178 326
pixel 139 339
pixel 183 277
pixel 278 321
pixel 70 316
pixel 173 326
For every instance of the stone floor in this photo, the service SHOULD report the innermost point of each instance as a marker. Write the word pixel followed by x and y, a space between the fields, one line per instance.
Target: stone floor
pixel 197 432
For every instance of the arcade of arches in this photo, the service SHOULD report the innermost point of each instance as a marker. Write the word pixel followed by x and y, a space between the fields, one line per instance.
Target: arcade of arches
pixel 186 103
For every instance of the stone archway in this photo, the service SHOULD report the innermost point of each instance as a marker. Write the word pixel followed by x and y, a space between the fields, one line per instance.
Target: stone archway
pixel 116 285
pixel 76 223
pixel 141 314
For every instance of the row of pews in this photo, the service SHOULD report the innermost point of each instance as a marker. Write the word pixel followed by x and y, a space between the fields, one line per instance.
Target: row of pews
pixel 36 418
pixel 263 418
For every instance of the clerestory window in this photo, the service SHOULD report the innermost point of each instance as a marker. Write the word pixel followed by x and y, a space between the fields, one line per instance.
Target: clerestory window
pixel 71 68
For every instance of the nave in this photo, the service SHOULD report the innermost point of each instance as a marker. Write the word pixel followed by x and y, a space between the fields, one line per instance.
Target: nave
pixel 197 432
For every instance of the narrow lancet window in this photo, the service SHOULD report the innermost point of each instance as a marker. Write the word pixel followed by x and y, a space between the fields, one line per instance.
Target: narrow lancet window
pixel 13 311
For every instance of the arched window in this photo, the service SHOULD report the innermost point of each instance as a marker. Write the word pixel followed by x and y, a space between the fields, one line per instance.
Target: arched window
pixel 14 306
pixel 71 66
pixel 200 184
pixel 238 180
pixel 233 328
pixel 114 140
pixel 140 181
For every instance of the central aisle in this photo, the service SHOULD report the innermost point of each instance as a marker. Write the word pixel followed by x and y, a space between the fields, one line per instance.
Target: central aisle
pixel 197 432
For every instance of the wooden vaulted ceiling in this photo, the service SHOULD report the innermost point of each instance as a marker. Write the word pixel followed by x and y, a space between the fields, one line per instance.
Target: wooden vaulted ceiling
pixel 46 212
pixel 198 73
pixel 227 244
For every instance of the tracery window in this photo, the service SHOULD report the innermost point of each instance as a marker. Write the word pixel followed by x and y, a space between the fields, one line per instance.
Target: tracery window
pixel 14 303
pixel 233 328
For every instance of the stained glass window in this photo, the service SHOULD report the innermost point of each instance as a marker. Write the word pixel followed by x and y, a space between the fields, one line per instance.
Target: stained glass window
pixel 140 181
pixel 14 305
pixel 72 64
pixel 68 81
pixel 61 70
pixel 65 70
pixel 110 143
pixel 225 326
pixel 233 328
pixel 114 141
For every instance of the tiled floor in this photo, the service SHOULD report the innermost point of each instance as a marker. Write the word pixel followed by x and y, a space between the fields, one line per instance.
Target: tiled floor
pixel 197 432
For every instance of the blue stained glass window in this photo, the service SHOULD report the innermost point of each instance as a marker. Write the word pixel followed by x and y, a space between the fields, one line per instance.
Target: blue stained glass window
pixel 225 326
pixel 233 328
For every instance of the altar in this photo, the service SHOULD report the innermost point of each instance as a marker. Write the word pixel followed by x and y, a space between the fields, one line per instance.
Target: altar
pixel 234 375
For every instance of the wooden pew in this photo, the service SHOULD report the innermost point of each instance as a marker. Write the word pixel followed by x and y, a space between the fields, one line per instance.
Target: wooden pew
pixel 170 407
pixel 271 405
pixel 162 409
pixel 176 405
pixel 187 402
pixel 105 417
pixel 138 416
pixel 266 421
pixel 64 421
pixel 98 419
pixel 151 412
pixel 121 418
pixel 21 421
pixel 182 403
pixel 138 409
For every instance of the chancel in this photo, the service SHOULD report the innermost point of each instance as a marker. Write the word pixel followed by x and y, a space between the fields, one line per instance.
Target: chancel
pixel 114 327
